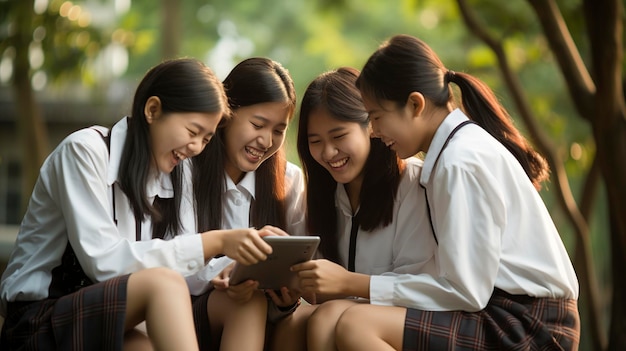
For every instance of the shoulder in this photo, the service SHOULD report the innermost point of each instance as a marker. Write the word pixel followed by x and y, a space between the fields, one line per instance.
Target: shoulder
pixel 293 171
pixel 410 177
pixel 82 142
pixel 413 168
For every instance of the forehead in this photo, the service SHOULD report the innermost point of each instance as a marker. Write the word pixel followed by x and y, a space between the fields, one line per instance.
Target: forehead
pixel 269 112
pixel 323 122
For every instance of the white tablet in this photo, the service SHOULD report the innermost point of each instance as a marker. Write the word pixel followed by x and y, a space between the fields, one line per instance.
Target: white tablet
pixel 274 273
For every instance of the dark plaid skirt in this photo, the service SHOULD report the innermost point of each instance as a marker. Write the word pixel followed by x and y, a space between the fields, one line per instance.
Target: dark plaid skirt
pixel 91 318
pixel 509 322
pixel 201 320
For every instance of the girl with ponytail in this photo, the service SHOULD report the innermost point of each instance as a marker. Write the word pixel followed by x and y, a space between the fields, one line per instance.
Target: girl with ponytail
pixel 504 279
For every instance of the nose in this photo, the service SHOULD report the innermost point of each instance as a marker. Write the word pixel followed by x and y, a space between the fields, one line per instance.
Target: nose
pixel 374 131
pixel 195 147
pixel 265 139
pixel 329 151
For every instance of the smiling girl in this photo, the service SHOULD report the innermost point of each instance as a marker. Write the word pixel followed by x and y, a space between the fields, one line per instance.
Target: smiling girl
pixel 244 180
pixel 363 201
pixel 504 280
pixel 90 262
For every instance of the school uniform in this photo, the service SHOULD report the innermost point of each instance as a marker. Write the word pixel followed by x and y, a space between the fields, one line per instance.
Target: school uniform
pixel 387 254
pixel 236 200
pixel 504 279
pixel 77 206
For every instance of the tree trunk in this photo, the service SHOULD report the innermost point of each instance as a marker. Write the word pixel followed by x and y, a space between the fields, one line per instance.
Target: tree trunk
pixel 605 27
pixel 171 28
pixel 31 129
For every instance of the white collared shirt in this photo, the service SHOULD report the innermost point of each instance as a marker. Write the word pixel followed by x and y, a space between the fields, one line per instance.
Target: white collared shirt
pixel 236 214
pixel 492 226
pixel 72 200
pixel 405 246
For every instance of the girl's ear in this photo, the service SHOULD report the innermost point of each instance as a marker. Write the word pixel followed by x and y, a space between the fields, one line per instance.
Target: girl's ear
pixel 152 109
pixel 416 103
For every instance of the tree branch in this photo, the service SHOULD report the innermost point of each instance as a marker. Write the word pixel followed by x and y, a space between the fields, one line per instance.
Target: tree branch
pixel 575 73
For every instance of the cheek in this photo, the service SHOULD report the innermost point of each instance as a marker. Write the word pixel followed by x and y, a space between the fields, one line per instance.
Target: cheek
pixel 316 153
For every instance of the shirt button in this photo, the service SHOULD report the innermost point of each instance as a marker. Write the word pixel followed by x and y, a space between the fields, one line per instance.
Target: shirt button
pixel 238 202
pixel 192 265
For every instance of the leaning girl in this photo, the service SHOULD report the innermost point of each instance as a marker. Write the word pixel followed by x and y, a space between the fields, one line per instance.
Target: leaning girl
pixel 504 279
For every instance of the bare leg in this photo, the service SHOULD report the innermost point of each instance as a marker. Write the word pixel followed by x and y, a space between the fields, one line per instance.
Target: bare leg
pixel 136 340
pixel 240 326
pixel 370 327
pixel 290 333
pixel 160 297
pixel 321 324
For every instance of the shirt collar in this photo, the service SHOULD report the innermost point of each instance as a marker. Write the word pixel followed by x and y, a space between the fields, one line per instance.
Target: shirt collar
pixel 342 201
pixel 158 185
pixel 247 183
pixel 453 119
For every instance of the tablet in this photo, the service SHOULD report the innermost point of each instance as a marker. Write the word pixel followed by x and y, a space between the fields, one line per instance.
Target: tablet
pixel 274 273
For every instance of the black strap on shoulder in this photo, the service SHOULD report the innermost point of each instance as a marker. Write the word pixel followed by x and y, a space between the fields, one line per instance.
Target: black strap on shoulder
pixel 107 141
pixel 430 218
pixel 354 231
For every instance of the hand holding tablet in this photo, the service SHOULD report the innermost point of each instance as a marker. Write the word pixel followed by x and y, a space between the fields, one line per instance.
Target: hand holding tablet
pixel 274 272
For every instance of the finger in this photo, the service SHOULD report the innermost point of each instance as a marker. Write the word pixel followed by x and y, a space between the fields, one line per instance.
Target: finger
pixel 261 245
pixel 274 297
pixel 271 230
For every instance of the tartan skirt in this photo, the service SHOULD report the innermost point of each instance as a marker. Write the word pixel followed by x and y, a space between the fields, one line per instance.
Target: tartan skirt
pixel 201 320
pixel 91 318
pixel 509 322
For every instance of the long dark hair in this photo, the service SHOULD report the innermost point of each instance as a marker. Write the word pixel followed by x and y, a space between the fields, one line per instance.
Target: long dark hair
pixel 253 81
pixel 336 92
pixel 182 85
pixel 405 64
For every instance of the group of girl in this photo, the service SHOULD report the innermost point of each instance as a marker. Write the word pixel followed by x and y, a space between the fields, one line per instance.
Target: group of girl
pixel 143 222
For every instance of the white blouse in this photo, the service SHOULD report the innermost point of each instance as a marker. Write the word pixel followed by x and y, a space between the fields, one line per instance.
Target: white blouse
pixel 236 214
pixel 72 200
pixel 492 226
pixel 405 246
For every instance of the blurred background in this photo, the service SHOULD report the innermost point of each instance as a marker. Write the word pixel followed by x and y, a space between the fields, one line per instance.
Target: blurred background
pixel 556 65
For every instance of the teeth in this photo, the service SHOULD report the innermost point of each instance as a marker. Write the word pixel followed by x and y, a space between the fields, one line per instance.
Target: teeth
pixel 339 163
pixel 254 152
pixel 389 143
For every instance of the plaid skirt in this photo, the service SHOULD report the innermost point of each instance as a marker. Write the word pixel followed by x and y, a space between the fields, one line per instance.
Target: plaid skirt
pixel 91 318
pixel 201 320
pixel 509 322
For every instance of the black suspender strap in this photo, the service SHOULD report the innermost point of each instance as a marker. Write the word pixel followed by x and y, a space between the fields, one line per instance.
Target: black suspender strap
pixel 353 234
pixel 107 141
pixel 430 218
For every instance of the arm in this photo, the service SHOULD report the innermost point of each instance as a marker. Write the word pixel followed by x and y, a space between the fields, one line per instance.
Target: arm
pixel 468 212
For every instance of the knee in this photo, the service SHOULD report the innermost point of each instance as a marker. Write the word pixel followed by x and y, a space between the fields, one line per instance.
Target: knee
pixel 348 321
pixel 349 325
pixel 326 314
pixel 161 279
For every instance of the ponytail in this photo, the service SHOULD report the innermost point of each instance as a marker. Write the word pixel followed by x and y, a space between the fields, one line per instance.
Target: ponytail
pixel 405 64
pixel 481 105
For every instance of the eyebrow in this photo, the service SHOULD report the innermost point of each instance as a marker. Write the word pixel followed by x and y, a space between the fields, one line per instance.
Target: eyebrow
pixel 267 121
pixel 338 129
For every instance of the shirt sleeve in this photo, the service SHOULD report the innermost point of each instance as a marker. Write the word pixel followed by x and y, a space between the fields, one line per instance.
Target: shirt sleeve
pixel 78 183
pixel 468 214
